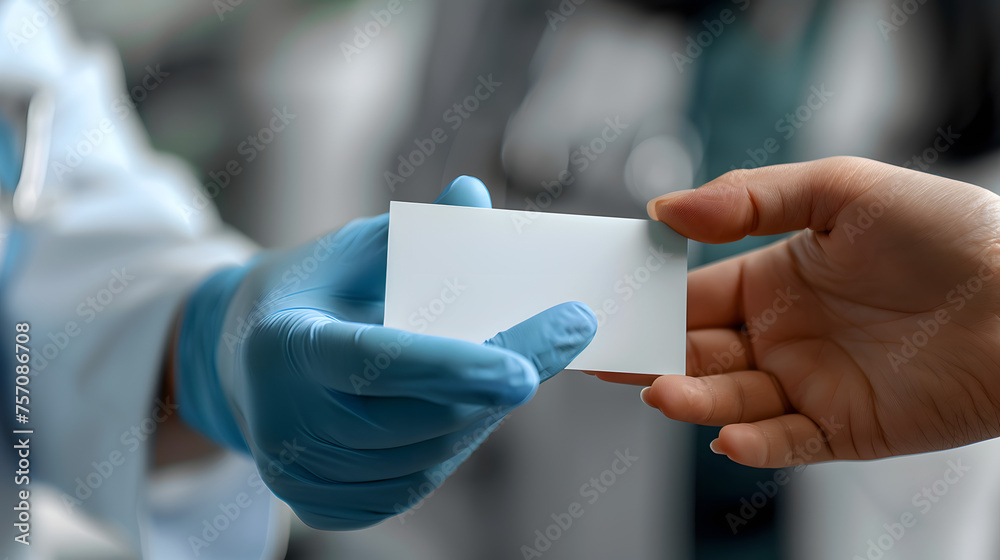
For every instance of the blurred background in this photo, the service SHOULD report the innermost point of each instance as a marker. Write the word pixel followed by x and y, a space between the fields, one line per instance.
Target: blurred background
pixel 579 106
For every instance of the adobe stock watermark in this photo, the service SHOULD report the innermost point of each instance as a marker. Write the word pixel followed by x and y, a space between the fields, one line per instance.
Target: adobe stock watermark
pixel 301 270
pixel 787 127
pixel 124 104
pixel 365 33
pixel 590 493
pixel 783 302
pixel 420 320
pixel 87 310
pixel 956 299
pixel 628 285
pixel 249 150
pixel 223 7
pixel 756 327
pixel 131 441
pixel 768 489
pixel 924 501
pixel 713 29
pixel 865 217
pixel 562 13
pixel 229 512
pixel 436 476
pixel 90 140
pixel 900 15
pixel 31 25
pixel 291 278
pixel 945 139
pixel 455 116
pixel 580 160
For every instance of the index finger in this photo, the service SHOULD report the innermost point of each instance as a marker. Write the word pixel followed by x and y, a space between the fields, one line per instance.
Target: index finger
pixel 392 363
pixel 367 360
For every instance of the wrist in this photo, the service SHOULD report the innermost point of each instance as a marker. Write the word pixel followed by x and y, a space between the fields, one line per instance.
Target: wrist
pixel 202 398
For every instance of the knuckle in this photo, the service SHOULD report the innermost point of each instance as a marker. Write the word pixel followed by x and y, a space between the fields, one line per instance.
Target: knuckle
pixel 735 177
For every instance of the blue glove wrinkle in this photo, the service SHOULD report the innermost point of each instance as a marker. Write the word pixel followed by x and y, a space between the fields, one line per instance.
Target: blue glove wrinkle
pixel 374 418
pixel 367 423
pixel 339 507
pixel 551 339
pixel 478 435
pixel 439 370
pixel 348 465
pixel 360 252
pixel 361 422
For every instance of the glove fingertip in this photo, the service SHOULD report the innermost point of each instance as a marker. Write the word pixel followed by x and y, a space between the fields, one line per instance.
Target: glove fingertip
pixel 581 320
pixel 523 380
pixel 573 326
pixel 466 191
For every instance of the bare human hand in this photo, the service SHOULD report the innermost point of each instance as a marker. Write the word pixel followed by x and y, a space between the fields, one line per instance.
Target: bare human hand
pixel 873 333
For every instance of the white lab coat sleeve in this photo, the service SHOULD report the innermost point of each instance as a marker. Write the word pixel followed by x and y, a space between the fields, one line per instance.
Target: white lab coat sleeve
pixel 121 237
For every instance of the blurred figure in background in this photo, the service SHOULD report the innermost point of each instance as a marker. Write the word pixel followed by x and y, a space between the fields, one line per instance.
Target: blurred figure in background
pixel 590 107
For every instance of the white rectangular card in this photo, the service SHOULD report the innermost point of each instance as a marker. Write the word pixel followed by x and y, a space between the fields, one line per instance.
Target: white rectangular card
pixel 469 273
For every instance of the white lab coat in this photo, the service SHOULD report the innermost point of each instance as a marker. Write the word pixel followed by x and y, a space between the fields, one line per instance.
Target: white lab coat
pixel 121 235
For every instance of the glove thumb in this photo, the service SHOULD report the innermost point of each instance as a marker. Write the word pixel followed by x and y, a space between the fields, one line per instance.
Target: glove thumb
pixel 465 191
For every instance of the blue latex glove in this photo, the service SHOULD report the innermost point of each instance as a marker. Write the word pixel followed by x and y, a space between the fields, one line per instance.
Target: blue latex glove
pixel 349 422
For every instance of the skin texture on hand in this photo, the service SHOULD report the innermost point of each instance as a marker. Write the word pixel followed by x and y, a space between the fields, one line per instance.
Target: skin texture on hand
pixel 873 333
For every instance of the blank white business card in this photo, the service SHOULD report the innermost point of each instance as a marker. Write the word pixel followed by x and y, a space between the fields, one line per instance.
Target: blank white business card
pixel 469 273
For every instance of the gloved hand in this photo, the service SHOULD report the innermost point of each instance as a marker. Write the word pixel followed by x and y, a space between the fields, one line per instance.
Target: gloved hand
pixel 347 420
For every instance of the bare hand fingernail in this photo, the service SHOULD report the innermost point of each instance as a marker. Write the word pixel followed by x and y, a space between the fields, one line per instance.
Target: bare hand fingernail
pixel 652 204
pixel 714 446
